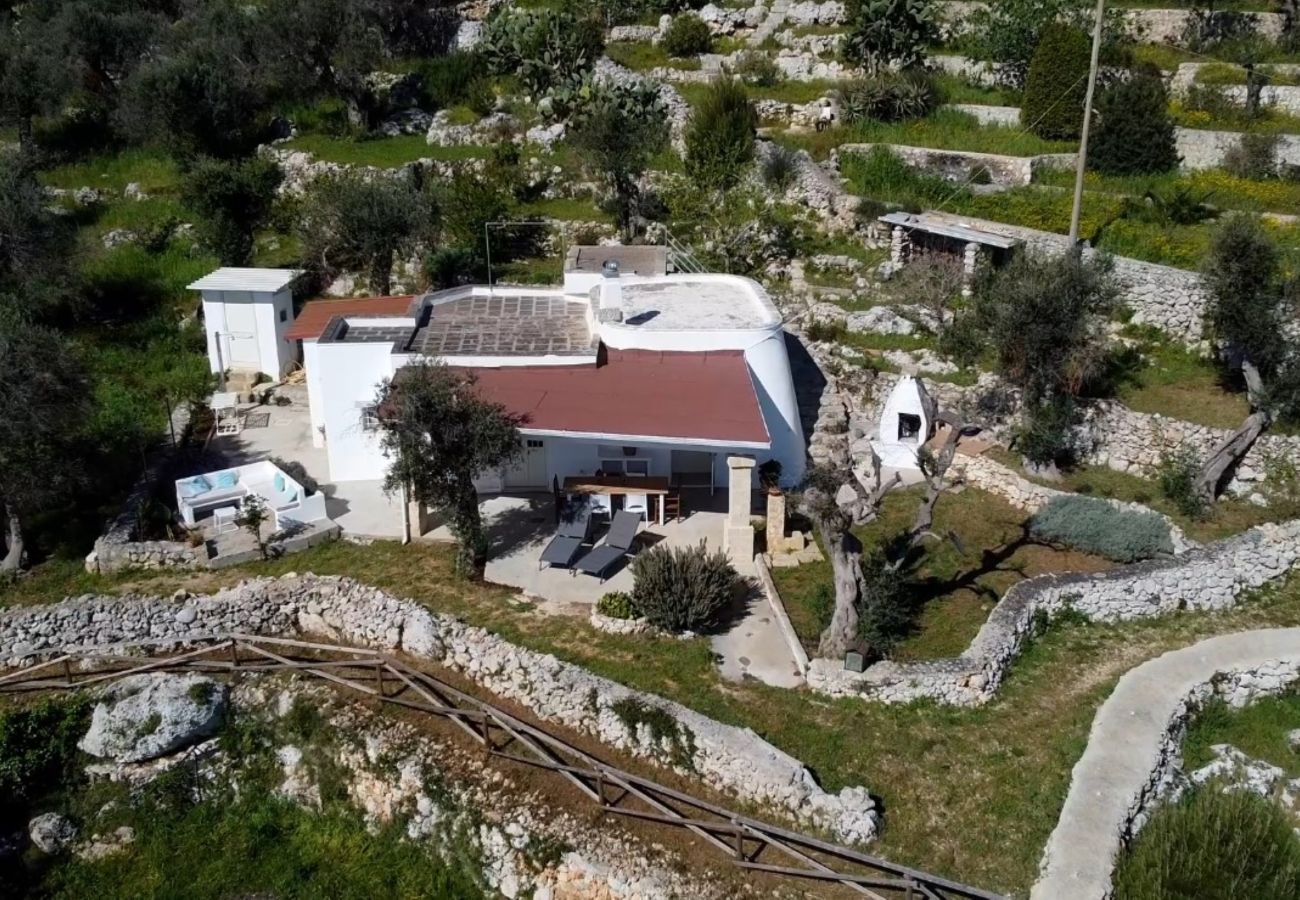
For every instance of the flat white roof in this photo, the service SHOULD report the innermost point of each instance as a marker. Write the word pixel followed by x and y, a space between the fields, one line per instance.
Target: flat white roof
pixel 696 302
pixel 230 278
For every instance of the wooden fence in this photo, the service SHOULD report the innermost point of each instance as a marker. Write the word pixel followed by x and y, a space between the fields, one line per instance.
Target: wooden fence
pixel 747 843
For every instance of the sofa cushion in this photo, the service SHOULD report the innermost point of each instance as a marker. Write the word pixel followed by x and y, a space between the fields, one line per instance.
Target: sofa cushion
pixel 195 486
pixel 227 479
pixel 279 482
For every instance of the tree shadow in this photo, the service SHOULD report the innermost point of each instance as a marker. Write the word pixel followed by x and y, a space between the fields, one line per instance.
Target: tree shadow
pixel 923 590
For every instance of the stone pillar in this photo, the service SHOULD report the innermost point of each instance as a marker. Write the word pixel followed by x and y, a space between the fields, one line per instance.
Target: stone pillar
pixel 738 536
pixel 775 521
pixel 898 243
pixel 970 262
pixel 421 518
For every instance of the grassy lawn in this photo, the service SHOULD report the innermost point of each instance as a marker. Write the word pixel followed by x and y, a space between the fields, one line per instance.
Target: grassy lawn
pixel 1184 385
pixel 641 57
pixel 971 793
pixel 567 209
pixel 1259 730
pixel 382 153
pixel 958 90
pixel 954 584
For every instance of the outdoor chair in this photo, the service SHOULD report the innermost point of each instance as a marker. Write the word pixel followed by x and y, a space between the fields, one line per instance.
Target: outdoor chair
pixel 637 503
pixel 600 504
pixel 618 545
pixel 571 534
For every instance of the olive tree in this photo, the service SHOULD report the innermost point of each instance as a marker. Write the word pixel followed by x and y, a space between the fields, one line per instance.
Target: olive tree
pixel 232 198
pixel 616 133
pixel 440 434
pixel 720 136
pixel 353 222
pixel 1251 316
pixel 1044 318
pixel 43 402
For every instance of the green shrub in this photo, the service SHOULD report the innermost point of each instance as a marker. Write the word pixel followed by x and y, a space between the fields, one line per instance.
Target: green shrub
pixel 757 68
pixel 1134 134
pixel 38 747
pixel 1177 477
pixel 720 136
pixel 543 48
pixel 1093 525
pixel 883 33
pixel 1254 156
pixel 1056 84
pixel 1213 846
pixel 616 605
pixel 687 35
pixel 780 167
pixel 889 97
pixel 446 80
pixel 682 588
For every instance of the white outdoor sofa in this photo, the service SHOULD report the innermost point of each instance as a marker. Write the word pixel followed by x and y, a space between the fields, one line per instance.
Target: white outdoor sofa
pixel 284 497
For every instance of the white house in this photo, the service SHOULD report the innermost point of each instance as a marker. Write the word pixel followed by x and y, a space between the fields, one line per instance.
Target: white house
pixel 247 314
pixel 625 369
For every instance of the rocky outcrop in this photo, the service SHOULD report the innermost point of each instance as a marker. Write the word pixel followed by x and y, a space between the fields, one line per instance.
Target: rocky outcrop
pixel 732 760
pixel 150 715
pixel 52 833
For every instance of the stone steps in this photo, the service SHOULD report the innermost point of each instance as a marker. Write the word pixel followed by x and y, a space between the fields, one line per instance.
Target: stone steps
pixel 775 19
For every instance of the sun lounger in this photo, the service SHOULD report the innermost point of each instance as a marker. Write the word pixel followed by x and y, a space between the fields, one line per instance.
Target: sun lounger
pixel 565 547
pixel 617 545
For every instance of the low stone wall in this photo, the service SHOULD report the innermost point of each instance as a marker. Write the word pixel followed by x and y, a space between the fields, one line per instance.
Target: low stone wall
pixel 1135 747
pixel 1201 149
pixel 1137 442
pixel 961 166
pixel 1003 116
pixel 1157 26
pixel 110 556
pixel 1210 577
pixel 732 760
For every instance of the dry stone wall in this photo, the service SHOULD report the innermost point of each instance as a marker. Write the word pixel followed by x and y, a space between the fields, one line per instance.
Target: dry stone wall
pixel 961 166
pixel 1210 577
pixel 1135 749
pixel 732 760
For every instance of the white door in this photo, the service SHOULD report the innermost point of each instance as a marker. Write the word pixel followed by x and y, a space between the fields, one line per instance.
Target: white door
pixel 529 471
pixel 240 337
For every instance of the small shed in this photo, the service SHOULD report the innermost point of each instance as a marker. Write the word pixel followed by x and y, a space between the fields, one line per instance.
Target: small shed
pixel 906 423
pixel 246 315
pixel 913 233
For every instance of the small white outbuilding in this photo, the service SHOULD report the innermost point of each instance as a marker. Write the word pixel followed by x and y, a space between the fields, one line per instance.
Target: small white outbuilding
pixel 906 423
pixel 246 314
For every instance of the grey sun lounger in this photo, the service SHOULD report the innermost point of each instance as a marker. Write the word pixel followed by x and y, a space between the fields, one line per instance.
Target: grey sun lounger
pixel 564 548
pixel 618 544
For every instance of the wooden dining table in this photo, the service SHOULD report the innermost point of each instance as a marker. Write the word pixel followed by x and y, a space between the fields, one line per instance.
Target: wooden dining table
pixel 620 484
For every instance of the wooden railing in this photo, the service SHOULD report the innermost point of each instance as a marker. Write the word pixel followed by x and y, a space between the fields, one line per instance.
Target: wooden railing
pixel 748 843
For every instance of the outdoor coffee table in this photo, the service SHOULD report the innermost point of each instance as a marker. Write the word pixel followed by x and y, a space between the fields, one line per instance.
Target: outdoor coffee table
pixel 222 517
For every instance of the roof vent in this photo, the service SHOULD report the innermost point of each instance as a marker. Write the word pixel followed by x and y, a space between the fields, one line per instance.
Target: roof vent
pixel 610 268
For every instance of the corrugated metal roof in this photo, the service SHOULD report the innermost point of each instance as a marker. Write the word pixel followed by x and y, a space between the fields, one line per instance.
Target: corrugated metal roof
pixel 315 315
pixel 229 278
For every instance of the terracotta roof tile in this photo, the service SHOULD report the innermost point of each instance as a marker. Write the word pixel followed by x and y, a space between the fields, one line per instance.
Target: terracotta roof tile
pixel 315 315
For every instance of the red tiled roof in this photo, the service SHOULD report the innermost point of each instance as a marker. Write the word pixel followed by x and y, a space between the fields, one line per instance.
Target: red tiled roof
pixel 642 393
pixel 315 315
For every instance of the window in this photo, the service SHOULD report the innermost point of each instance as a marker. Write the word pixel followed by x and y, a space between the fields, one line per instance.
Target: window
pixel 284 315
pixel 369 418
pixel 625 466
pixel 533 445
pixel 909 426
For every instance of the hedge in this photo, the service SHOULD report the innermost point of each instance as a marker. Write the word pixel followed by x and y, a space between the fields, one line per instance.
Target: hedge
pixel 1096 526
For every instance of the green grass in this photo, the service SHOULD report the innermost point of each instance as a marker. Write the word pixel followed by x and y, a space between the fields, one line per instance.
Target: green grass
pixel 1258 730
pixel 382 153
pixel 969 793
pixel 1218 188
pixel 567 209
pixel 945 129
pixel 957 90
pixel 262 845
pixel 641 57
pixel 953 587
pixel 156 173
pixel 790 91
pixel 1181 384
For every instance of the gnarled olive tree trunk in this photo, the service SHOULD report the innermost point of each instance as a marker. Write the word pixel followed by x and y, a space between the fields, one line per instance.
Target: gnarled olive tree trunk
pixel 1233 450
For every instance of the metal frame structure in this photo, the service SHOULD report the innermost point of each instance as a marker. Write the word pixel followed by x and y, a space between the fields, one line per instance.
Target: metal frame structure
pixel 374 674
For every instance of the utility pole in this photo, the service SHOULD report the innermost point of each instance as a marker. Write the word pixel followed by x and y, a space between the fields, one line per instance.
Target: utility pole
pixel 1087 125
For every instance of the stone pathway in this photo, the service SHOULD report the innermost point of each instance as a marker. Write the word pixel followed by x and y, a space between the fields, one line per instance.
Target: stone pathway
pixel 775 19
pixel 1135 741
pixel 755 646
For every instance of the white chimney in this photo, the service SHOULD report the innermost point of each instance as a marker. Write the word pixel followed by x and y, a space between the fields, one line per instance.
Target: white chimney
pixel 611 293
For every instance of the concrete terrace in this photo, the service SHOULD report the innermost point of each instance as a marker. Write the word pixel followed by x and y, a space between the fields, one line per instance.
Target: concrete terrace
pixel 504 325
